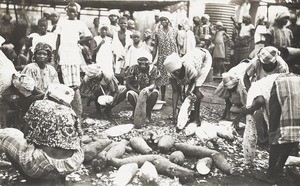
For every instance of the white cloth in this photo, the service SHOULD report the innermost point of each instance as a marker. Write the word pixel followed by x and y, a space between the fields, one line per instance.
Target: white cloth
pixel 263 88
pixel 258 35
pixel 245 30
pixel 42 77
pixel 70 32
pixel 104 56
pixel 132 55
pixel 120 51
pixel 49 38
pixel 186 41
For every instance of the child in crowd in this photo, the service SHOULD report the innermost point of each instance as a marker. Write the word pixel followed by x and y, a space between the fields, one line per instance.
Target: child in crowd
pixel 219 53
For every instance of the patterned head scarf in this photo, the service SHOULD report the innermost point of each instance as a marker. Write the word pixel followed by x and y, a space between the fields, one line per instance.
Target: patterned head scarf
pixel 268 55
pixel 229 80
pixel 43 46
pixel 52 124
pixel 93 70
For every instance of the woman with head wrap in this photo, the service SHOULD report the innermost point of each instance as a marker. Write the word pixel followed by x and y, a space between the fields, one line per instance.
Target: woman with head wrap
pixel 206 27
pixel 280 36
pixel 232 88
pixel 165 43
pixel 100 83
pixel 267 62
pixel 189 72
pixel 50 148
pixel 40 70
pixel 185 38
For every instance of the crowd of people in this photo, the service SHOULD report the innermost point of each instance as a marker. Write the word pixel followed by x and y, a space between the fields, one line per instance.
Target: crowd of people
pixel 65 61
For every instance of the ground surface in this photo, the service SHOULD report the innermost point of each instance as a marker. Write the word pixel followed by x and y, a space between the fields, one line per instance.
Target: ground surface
pixel 211 110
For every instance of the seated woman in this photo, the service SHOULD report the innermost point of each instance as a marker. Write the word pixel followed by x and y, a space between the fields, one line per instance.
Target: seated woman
pixel 142 76
pixel 98 82
pixel 40 70
pixel 51 146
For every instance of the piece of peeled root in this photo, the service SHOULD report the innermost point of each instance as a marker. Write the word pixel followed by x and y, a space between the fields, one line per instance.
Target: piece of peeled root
pixel 190 129
pixel 4 163
pixel 166 167
pixel 293 160
pixel 222 163
pixel 148 173
pixel 140 160
pixel 204 165
pixel 125 174
pixel 139 145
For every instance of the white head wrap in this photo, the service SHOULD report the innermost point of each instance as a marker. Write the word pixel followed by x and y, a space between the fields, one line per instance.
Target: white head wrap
pixel 173 62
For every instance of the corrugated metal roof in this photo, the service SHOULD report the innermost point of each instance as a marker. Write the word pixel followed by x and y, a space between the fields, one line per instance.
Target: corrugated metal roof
pixel 110 4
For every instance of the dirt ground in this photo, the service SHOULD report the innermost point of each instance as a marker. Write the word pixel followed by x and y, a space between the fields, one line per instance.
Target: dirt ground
pixel 211 110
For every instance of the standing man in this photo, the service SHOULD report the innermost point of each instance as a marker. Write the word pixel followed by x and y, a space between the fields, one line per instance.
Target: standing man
pixel 189 71
pixel 71 33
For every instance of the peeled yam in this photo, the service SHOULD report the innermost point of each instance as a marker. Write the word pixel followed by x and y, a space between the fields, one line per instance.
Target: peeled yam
pixel 222 163
pixel 184 112
pixel 165 143
pixel 119 130
pixel 225 132
pixel 4 163
pixel 125 174
pixel 293 160
pixel 148 173
pixel 140 160
pixel 165 167
pixel 249 140
pixel 177 157
pixel 140 109
pixel 190 129
pixel 204 165
pixel 92 149
pixel 140 145
pixel 193 150
pixel 116 151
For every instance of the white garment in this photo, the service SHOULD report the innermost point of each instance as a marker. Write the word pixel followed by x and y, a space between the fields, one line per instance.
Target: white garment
pixel 70 32
pixel 133 54
pixel 260 29
pixel 186 41
pixel 49 38
pixel 245 30
pixel 104 56
pixel 263 88
pixel 120 51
